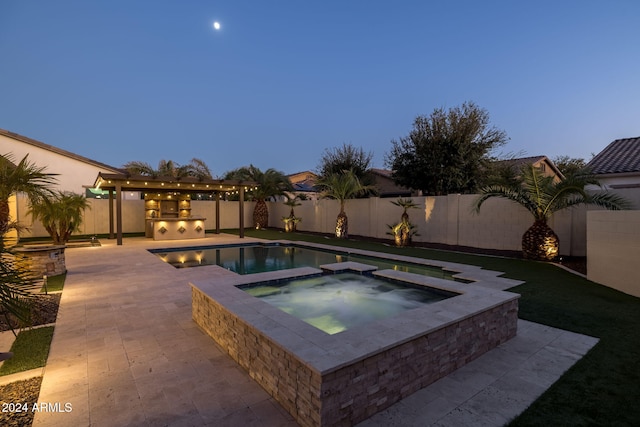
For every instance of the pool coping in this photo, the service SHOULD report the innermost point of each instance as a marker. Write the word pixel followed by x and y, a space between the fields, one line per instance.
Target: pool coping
pixel 463 272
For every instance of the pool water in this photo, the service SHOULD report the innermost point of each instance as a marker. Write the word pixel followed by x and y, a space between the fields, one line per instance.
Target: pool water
pixel 250 259
pixel 334 303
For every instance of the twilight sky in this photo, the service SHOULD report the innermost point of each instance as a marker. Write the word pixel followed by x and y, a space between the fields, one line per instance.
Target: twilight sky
pixel 281 81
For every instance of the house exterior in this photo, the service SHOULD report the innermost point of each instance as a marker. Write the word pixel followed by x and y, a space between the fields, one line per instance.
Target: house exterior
pixel 75 172
pixel 542 163
pixel 385 187
pixel 618 165
pixel 304 185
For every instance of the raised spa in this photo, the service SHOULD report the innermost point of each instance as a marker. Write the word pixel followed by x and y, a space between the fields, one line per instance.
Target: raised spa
pixel 336 302
pixel 325 379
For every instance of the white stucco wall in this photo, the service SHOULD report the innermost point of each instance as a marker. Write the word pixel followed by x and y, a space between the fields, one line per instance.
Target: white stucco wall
pixel 73 173
pixel 613 249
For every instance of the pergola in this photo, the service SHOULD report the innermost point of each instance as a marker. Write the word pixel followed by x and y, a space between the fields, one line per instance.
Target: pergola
pixel 116 184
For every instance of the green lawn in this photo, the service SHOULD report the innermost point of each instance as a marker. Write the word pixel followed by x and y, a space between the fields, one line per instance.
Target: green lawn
pixel 54 283
pixel 603 388
pixel 30 350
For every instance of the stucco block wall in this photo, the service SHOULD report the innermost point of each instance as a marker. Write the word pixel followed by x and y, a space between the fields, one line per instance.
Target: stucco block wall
pixel 229 217
pixel 442 219
pixel 613 249
pixel 96 218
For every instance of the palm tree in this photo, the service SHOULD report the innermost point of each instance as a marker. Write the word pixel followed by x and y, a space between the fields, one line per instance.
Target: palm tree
pixel 405 204
pixel 541 196
pixel 15 300
pixel 341 186
pixel 291 221
pixel 60 215
pixel 25 177
pixel 404 230
pixel 269 183
pixel 196 168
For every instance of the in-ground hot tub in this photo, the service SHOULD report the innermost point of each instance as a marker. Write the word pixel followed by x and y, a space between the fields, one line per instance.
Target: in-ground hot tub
pixel 342 379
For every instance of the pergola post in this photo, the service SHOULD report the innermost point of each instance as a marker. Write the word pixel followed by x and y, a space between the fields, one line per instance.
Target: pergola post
pixel 111 235
pixel 119 212
pixel 217 212
pixel 241 209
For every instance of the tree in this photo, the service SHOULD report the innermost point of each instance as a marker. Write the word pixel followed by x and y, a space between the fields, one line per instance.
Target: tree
pixel 541 196
pixel 569 165
pixel 270 183
pixel 25 177
pixel 445 152
pixel 60 215
pixel 196 168
pixel 348 157
pixel 341 186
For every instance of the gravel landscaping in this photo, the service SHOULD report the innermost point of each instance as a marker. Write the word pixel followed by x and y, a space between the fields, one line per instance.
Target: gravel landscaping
pixel 17 401
pixel 17 398
pixel 45 311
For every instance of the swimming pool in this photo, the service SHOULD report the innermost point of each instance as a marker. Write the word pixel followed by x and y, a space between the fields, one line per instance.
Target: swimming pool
pixel 263 257
pixel 336 302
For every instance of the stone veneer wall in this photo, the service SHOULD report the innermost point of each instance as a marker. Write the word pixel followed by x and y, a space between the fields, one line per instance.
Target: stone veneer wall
pixel 358 391
pixel 41 261
pixel 352 393
pixel 293 384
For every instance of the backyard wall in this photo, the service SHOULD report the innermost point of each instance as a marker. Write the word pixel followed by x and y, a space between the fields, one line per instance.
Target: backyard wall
pixel 613 249
pixel 96 219
pixel 442 219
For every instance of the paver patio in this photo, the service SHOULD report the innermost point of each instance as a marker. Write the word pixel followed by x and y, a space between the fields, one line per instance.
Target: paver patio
pixel 126 352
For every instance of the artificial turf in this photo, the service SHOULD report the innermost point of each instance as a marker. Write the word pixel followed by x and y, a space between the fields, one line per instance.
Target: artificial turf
pixel 600 389
pixel 30 350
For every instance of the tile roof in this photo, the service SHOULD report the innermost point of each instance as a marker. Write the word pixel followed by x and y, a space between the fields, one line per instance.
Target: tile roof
pixel 383 172
pixel 57 150
pixel 622 155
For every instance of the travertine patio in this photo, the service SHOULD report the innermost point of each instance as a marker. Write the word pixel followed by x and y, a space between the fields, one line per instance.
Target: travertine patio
pixel 126 352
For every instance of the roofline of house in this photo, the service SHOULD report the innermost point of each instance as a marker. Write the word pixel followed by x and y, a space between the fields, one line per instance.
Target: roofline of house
pixel 617 174
pixel 57 150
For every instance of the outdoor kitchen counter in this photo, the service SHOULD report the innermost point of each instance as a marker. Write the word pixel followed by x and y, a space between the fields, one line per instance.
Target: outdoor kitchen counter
pixel 175 228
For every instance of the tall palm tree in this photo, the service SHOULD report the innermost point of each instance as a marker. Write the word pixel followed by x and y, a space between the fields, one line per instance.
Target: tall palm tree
pixel 405 204
pixel 24 177
pixel 270 183
pixel 60 215
pixel 541 196
pixel 197 168
pixel 341 186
